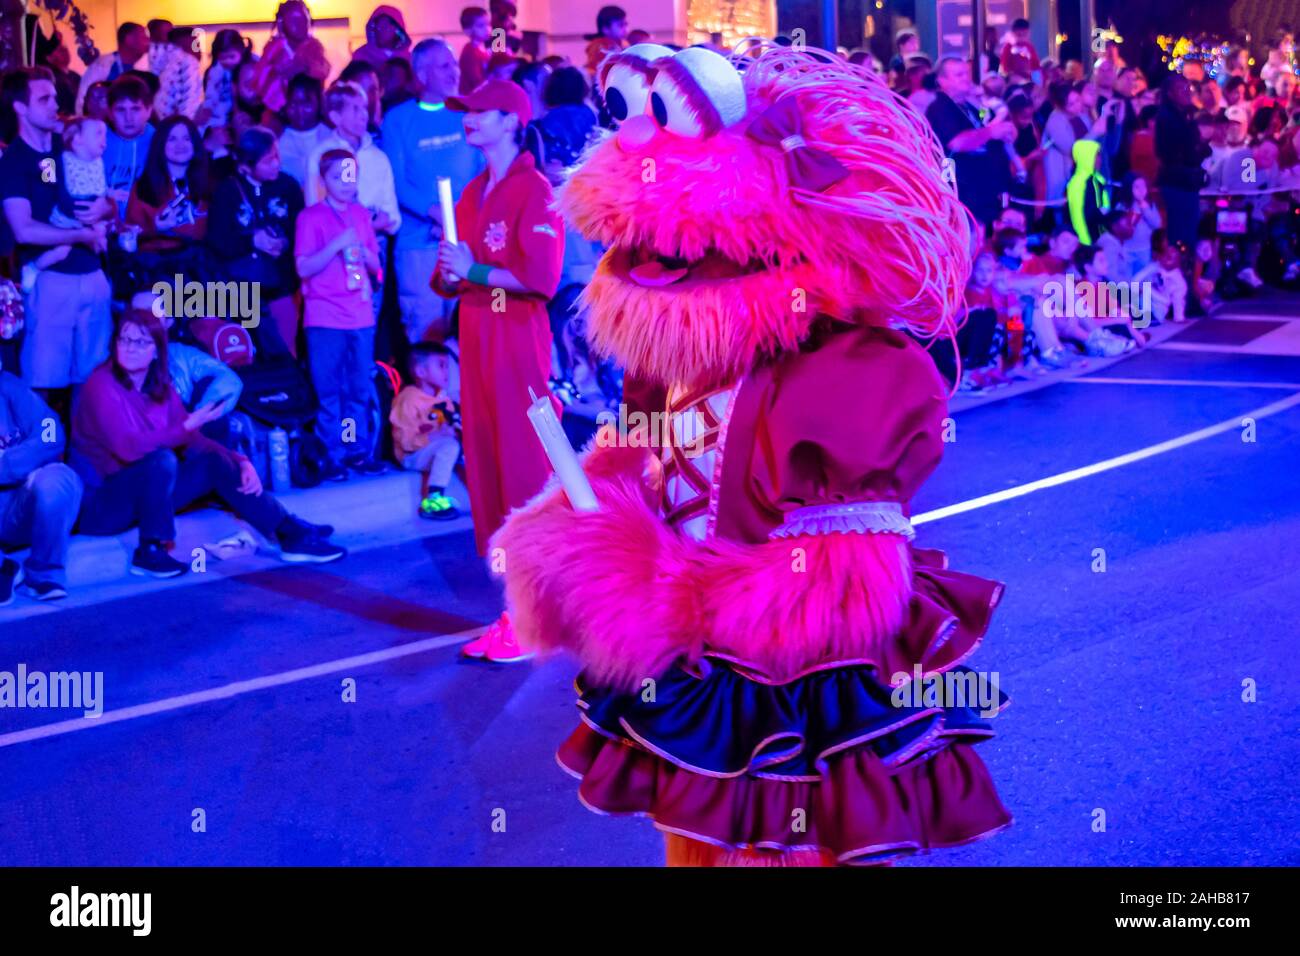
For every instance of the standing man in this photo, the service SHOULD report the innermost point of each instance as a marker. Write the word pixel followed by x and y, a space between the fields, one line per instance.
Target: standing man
pixel 132 48
pixel 979 153
pixel 67 305
pixel 424 140
pixel 1181 152
pixel 39 495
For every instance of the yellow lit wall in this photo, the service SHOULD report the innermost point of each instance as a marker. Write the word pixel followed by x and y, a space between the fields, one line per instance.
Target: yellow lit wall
pixel 341 23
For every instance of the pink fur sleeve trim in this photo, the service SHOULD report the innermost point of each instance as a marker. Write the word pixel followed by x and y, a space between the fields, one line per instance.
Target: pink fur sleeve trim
pixel 861 517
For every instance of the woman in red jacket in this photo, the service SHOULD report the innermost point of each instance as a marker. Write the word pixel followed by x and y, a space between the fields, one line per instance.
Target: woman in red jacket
pixel 142 458
pixel 505 268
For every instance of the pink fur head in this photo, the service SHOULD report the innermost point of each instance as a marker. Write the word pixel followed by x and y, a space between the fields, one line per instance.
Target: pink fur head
pixel 715 259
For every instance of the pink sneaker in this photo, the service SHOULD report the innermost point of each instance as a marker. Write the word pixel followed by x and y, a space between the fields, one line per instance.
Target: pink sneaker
pixel 478 647
pixel 503 648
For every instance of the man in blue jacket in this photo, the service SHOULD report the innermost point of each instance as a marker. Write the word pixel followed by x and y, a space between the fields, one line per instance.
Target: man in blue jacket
pixel 39 495
pixel 424 140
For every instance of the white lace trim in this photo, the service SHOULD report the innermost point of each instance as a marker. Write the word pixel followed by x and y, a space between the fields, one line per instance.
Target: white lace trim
pixel 861 517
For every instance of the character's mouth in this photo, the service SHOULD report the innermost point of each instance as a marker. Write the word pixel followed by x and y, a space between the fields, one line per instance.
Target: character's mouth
pixel 645 267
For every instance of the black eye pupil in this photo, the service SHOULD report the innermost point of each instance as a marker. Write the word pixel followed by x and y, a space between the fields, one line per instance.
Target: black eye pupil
pixel 617 104
pixel 660 109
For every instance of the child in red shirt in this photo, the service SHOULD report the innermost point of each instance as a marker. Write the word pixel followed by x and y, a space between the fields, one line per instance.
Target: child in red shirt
pixel 475 54
pixel 336 254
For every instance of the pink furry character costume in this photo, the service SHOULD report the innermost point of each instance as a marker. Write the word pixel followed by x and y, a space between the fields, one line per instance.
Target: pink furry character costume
pixel 748 591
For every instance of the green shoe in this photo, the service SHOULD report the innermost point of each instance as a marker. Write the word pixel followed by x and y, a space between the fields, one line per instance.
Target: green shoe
pixel 438 507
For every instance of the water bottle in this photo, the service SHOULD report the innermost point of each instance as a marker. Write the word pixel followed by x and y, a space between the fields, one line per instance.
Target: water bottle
pixel 278 443
pixel 356 272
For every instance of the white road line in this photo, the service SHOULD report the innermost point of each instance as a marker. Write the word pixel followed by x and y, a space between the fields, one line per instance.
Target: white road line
pixel 1075 474
pixel 238 688
pixel 1211 383
pixel 1220 349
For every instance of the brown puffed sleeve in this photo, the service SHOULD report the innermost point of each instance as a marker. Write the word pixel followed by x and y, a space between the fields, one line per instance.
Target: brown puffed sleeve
pixel 857 420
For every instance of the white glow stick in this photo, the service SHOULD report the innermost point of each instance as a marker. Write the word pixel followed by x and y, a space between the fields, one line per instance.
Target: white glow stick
pixel 556 445
pixel 448 209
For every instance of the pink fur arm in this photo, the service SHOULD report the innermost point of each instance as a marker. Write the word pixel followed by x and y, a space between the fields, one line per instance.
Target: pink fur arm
pixel 594 582
pixel 628 595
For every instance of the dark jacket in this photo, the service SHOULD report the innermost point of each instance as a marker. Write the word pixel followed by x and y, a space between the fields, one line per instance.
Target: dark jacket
pixel 1179 149
pixel 238 209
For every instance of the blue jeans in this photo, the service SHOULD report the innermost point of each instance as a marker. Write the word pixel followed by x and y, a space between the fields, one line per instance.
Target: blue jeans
pixel 1183 213
pixel 342 363
pixel 149 491
pixel 40 512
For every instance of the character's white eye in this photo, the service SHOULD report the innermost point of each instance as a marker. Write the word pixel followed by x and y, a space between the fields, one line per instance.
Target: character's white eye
pixel 625 79
pixel 696 93
pixel 626 91
pixel 672 109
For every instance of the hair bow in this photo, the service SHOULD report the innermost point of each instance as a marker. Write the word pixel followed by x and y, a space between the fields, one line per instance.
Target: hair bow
pixel 781 126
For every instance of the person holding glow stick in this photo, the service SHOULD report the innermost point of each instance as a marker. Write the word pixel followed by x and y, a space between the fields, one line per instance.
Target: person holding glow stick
pixel 505 267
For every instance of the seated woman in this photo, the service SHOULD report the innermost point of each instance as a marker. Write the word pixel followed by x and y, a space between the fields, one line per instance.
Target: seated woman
pixel 169 202
pixel 143 458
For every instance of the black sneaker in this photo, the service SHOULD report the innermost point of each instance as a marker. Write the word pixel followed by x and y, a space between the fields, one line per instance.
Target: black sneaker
pixel 334 472
pixel 294 528
pixel 152 560
pixel 301 546
pixel 316 530
pixel 11 572
pixel 43 590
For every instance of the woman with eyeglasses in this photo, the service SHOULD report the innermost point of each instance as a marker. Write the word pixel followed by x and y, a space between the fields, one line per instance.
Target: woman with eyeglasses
pixel 142 458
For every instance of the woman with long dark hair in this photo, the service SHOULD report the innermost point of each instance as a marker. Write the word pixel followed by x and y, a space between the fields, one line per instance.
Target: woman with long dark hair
pixel 142 458
pixel 169 202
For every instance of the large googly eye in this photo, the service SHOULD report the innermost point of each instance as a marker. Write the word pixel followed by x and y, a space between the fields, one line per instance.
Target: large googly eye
pixel 626 91
pixel 625 79
pixel 672 110
pixel 696 93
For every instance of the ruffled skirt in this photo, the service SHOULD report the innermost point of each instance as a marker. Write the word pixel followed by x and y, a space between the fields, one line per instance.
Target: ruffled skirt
pixel 835 760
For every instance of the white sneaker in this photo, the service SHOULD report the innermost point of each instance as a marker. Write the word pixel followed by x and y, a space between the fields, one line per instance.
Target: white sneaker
pixel 1248 276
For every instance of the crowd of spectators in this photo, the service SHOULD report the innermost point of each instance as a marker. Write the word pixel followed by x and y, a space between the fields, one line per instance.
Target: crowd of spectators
pixel 1108 200
pixel 315 184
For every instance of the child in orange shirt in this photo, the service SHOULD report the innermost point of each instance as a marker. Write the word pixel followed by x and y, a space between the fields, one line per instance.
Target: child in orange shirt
pixel 426 427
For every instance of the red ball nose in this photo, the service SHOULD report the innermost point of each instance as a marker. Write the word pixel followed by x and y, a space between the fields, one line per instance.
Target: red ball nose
pixel 636 132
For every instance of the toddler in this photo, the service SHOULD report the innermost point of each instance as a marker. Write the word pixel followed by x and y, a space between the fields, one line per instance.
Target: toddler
pixel 426 427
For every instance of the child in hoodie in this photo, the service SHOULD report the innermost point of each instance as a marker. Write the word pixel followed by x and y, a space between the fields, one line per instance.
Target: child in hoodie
pixel 386 37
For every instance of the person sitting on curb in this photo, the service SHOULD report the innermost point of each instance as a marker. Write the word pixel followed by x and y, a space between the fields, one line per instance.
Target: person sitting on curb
pixel 143 458
pixel 39 495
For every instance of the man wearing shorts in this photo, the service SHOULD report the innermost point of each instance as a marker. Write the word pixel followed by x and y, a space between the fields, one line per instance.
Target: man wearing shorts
pixel 65 293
